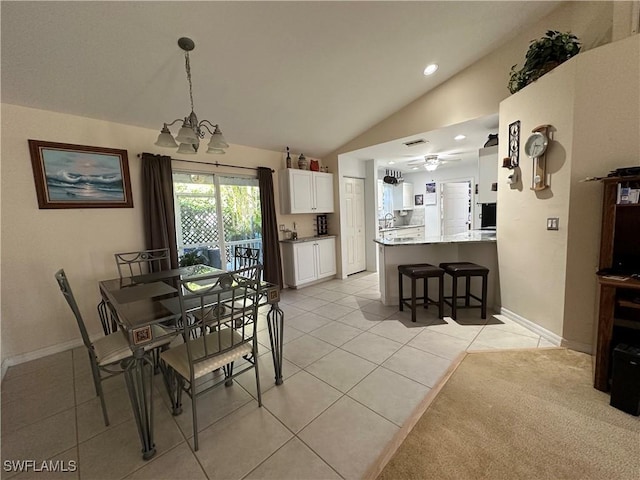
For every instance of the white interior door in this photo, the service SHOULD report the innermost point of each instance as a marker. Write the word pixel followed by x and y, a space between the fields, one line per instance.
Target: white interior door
pixel 355 236
pixel 455 202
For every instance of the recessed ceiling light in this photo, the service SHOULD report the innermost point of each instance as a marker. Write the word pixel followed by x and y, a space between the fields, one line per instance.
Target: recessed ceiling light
pixel 391 163
pixel 431 69
pixel 459 137
pixel 414 168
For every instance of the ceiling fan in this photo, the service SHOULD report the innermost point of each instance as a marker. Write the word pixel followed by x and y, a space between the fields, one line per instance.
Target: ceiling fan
pixel 431 162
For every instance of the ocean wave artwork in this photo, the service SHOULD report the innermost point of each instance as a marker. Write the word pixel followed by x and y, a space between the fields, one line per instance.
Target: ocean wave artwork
pixel 83 176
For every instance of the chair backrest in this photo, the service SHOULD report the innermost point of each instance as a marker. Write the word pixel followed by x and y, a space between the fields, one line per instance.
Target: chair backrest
pixel 142 262
pixel 223 308
pixel 108 317
pixel 65 288
pixel 245 257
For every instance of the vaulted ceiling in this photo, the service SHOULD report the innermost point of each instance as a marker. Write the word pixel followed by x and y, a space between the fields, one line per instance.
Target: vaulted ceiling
pixel 310 75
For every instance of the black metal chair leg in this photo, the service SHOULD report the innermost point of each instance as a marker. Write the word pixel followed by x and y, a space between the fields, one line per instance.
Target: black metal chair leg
pixel 401 306
pixel 413 299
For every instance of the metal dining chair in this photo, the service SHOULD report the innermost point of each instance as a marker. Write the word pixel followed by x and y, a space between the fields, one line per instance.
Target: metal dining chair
pixel 129 264
pixel 245 257
pixel 105 353
pixel 143 261
pixel 226 308
pixel 108 318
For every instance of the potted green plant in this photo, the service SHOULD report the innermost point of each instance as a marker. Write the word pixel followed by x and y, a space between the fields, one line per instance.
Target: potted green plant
pixel 544 55
pixel 191 258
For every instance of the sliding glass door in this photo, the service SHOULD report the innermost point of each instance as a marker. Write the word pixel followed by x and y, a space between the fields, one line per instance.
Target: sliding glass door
pixel 214 214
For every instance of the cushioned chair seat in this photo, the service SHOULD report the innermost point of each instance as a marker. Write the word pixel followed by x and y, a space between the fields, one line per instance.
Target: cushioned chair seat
pixel 466 270
pixel 422 271
pixel 463 268
pixel 178 358
pixel 115 347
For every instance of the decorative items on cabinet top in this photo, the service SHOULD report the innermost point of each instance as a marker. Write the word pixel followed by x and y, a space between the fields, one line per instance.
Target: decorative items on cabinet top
pixel 302 162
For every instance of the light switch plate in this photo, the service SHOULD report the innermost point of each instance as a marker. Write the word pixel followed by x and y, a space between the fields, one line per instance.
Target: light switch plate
pixel 552 223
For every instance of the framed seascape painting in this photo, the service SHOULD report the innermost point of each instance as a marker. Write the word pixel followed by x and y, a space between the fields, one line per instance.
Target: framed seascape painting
pixel 79 176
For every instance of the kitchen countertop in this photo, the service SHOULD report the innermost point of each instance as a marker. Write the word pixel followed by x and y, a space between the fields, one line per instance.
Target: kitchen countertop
pixel 400 228
pixel 307 239
pixel 465 237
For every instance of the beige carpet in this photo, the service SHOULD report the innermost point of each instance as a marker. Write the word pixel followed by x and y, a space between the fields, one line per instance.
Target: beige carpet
pixel 525 414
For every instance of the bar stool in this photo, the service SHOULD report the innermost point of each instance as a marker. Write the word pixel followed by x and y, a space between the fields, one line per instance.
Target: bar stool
pixel 466 270
pixel 424 271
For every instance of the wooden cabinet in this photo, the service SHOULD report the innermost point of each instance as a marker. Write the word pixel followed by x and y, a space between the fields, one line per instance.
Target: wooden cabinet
pixel 403 196
pixel 487 175
pixel 619 307
pixel 304 191
pixel 308 261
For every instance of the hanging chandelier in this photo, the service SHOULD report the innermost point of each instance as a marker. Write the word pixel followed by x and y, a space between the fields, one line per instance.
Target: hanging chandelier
pixel 192 130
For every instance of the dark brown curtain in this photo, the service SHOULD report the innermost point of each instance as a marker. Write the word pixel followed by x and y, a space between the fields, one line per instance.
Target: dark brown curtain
pixel 157 203
pixel 270 245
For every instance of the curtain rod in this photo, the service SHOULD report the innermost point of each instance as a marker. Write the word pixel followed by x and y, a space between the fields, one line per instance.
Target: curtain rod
pixel 215 164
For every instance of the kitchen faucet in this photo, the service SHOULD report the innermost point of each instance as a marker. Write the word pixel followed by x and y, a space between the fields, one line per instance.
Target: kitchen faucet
pixel 388 220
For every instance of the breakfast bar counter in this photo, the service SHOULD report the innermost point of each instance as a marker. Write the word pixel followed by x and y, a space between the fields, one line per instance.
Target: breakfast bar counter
pixel 476 246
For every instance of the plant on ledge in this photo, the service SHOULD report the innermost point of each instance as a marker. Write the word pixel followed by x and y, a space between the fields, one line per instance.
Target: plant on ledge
pixel 191 258
pixel 544 55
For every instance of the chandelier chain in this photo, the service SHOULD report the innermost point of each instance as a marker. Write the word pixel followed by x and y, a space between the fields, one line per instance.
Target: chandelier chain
pixel 188 69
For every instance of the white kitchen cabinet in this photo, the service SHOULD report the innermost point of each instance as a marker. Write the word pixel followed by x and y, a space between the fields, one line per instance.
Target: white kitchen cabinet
pixel 416 232
pixel 308 261
pixel 411 232
pixel 487 174
pixel 403 196
pixel 304 191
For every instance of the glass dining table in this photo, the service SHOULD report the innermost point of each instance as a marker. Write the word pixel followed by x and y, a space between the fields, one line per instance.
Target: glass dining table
pixel 142 301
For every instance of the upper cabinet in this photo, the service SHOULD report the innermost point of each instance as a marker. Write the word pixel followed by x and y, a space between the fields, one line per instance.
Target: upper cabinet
pixel 305 191
pixel 403 196
pixel 487 175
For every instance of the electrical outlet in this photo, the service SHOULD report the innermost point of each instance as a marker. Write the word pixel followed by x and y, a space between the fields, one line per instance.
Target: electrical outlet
pixel 552 223
pixel 282 228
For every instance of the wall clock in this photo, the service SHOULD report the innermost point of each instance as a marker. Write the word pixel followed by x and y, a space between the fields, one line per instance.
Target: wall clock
pixel 536 148
pixel 514 144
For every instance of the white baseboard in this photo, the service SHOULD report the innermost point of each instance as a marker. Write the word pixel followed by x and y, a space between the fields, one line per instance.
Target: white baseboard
pixel 534 327
pixel 546 334
pixel 43 352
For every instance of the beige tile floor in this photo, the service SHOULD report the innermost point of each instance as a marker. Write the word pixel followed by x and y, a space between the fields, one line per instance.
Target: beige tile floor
pixel 354 370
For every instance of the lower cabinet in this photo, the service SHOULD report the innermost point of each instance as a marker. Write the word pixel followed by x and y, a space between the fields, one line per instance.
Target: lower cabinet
pixel 409 232
pixel 308 261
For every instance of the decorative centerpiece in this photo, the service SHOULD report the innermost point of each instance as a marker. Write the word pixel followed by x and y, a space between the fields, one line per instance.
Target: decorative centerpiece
pixel 543 56
pixel 303 163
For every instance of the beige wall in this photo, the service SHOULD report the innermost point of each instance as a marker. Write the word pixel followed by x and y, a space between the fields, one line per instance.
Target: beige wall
pixel 532 259
pixel 606 136
pixel 593 104
pixel 478 90
pixel 35 243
